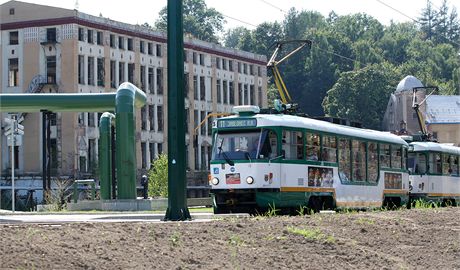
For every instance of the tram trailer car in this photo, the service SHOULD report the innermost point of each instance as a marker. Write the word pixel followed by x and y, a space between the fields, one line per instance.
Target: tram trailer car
pixel 434 172
pixel 287 162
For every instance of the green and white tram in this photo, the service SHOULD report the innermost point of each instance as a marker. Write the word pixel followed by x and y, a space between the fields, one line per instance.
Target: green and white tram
pixel 434 172
pixel 287 161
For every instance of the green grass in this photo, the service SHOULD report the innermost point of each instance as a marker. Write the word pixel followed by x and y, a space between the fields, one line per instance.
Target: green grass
pixel 311 234
pixel 367 221
pixel 422 204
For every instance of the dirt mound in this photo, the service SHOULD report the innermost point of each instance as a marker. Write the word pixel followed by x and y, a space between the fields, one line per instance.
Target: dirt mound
pixel 406 239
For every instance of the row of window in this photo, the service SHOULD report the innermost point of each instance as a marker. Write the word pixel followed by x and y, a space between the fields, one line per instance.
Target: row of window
pixel 435 163
pixel 358 160
pixel 152 152
pixel 148 118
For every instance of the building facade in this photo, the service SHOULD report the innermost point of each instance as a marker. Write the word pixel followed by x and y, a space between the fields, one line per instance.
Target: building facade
pixel 53 50
pixel 441 113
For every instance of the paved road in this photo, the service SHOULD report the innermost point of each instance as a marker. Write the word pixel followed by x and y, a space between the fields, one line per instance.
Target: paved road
pixel 8 218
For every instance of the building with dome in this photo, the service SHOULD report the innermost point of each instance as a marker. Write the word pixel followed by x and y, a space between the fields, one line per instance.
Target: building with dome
pixel 441 113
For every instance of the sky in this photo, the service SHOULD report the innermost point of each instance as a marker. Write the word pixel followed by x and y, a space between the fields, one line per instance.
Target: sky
pixel 249 13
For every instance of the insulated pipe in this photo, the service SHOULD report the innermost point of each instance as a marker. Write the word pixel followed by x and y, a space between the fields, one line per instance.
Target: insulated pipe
pixel 105 152
pixel 125 128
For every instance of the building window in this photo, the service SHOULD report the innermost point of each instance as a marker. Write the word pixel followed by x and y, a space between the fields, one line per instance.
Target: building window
pixel 152 117
pixel 150 48
pixel 13 72
pixel 218 62
pixel 81 34
pixel 121 43
pixel 195 87
pixel 131 73
pixel 150 81
pixel 239 67
pixel 201 59
pixel 112 41
pixel 240 94
pixel 121 72
pixel 91 70
pixel 160 118
pixel 144 155
pixel 203 126
pixel 51 69
pixel 251 69
pixel 195 119
pixel 113 71
pixel 231 91
pixel 252 95
pixel 92 156
pixel 99 38
pixel 230 65
pixel 218 83
pixel 245 68
pixel 14 38
pixel 130 44
pixel 142 78
pixel 143 118
pixel 159 81
pixel 224 64
pixel 185 56
pixel 259 95
pixel 51 35
pixel 100 72
pixel 90 36
pixel 209 125
pixel 81 69
pixel 259 71
pixel 194 58
pixel 152 152
pixel 202 88
pixel 186 85
pixel 159 54
pixel 11 11
pixel 246 94
pixel 225 95
pixel 91 122
pixel 160 148
pixel 142 46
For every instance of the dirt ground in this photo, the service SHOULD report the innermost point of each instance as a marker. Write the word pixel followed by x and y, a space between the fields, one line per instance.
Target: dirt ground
pixel 405 239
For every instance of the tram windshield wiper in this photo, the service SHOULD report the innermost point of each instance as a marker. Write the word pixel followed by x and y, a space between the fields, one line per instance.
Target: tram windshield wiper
pixel 229 161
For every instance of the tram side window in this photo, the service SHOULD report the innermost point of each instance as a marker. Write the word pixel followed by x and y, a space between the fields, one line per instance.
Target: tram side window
pixel 435 163
pixel 313 148
pixel 359 160
pixel 292 145
pixel 269 144
pixel 455 167
pixel 329 151
pixel 344 159
pixel 385 155
pixel 372 162
pixel 396 156
pixel 446 164
pixel 420 166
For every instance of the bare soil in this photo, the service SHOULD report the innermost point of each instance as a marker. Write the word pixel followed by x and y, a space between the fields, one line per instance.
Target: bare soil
pixel 404 239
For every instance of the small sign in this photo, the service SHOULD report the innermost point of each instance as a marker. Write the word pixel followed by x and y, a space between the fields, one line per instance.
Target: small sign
pixel 216 170
pixel 237 123
pixel 232 179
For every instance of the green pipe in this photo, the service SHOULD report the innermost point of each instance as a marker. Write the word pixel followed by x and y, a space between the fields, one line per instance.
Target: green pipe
pixel 127 96
pixel 105 151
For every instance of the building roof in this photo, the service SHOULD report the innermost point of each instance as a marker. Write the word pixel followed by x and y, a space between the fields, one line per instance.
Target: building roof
pixel 408 83
pixel 443 109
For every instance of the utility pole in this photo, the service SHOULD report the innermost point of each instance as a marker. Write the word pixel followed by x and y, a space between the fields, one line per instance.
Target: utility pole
pixel 177 199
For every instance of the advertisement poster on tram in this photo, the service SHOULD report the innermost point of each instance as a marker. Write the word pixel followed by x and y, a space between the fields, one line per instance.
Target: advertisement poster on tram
pixel 393 180
pixel 320 177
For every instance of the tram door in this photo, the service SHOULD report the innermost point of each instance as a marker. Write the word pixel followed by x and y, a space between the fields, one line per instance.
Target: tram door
pixel 269 149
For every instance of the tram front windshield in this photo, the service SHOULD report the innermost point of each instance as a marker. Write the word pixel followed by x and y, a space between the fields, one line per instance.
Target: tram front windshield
pixel 248 145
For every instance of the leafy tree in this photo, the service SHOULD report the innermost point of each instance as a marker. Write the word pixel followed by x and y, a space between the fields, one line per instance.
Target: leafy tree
pixel 158 177
pixel 202 22
pixel 233 36
pixel 362 95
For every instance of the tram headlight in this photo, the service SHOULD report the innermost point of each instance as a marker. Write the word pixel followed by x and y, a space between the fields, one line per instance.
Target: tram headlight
pixel 250 180
pixel 215 181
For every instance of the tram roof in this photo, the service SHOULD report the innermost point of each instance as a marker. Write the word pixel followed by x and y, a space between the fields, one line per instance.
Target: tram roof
pixel 435 147
pixel 322 126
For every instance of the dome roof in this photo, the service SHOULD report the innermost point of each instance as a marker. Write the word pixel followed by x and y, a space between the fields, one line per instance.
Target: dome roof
pixel 408 83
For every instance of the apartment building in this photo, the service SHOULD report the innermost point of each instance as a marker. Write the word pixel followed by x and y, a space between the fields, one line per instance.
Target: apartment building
pixel 53 50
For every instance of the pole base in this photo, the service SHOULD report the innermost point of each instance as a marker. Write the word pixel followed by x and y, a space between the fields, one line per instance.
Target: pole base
pixel 181 214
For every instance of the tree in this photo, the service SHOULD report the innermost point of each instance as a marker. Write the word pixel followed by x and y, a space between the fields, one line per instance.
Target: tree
pixel 362 95
pixel 234 36
pixel 202 22
pixel 158 177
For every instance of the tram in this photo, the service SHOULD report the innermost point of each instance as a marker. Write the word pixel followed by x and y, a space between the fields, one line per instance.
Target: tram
pixel 263 160
pixel 434 172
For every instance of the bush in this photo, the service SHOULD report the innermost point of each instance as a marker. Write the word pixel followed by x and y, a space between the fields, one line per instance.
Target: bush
pixel 158 177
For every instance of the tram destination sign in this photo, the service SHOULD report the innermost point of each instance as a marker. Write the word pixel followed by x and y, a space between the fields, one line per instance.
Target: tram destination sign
pixel 236 123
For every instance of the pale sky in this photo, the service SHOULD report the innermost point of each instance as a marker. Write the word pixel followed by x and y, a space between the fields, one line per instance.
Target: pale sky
pixel 252 12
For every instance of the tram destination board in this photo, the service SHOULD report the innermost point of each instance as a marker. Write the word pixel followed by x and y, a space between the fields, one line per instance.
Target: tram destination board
pixel 236 123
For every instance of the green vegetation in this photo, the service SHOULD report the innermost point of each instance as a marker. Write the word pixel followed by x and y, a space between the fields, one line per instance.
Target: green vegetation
pixel 423 204
pixel 312 234
pixel 367 221
pixel 158 177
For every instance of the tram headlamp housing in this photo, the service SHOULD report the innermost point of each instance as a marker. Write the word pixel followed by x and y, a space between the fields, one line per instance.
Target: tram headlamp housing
pixel 215 181
pixel 250 180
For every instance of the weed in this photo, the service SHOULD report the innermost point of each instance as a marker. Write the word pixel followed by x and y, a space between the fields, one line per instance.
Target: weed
pixel 302 210
pixel 272 211
pixel 312 234
pixel 235 240
pixel 367 221
pixel 422 204
pixel 175 239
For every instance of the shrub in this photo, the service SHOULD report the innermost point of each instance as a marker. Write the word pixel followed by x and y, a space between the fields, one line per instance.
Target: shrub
pixel 158 177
